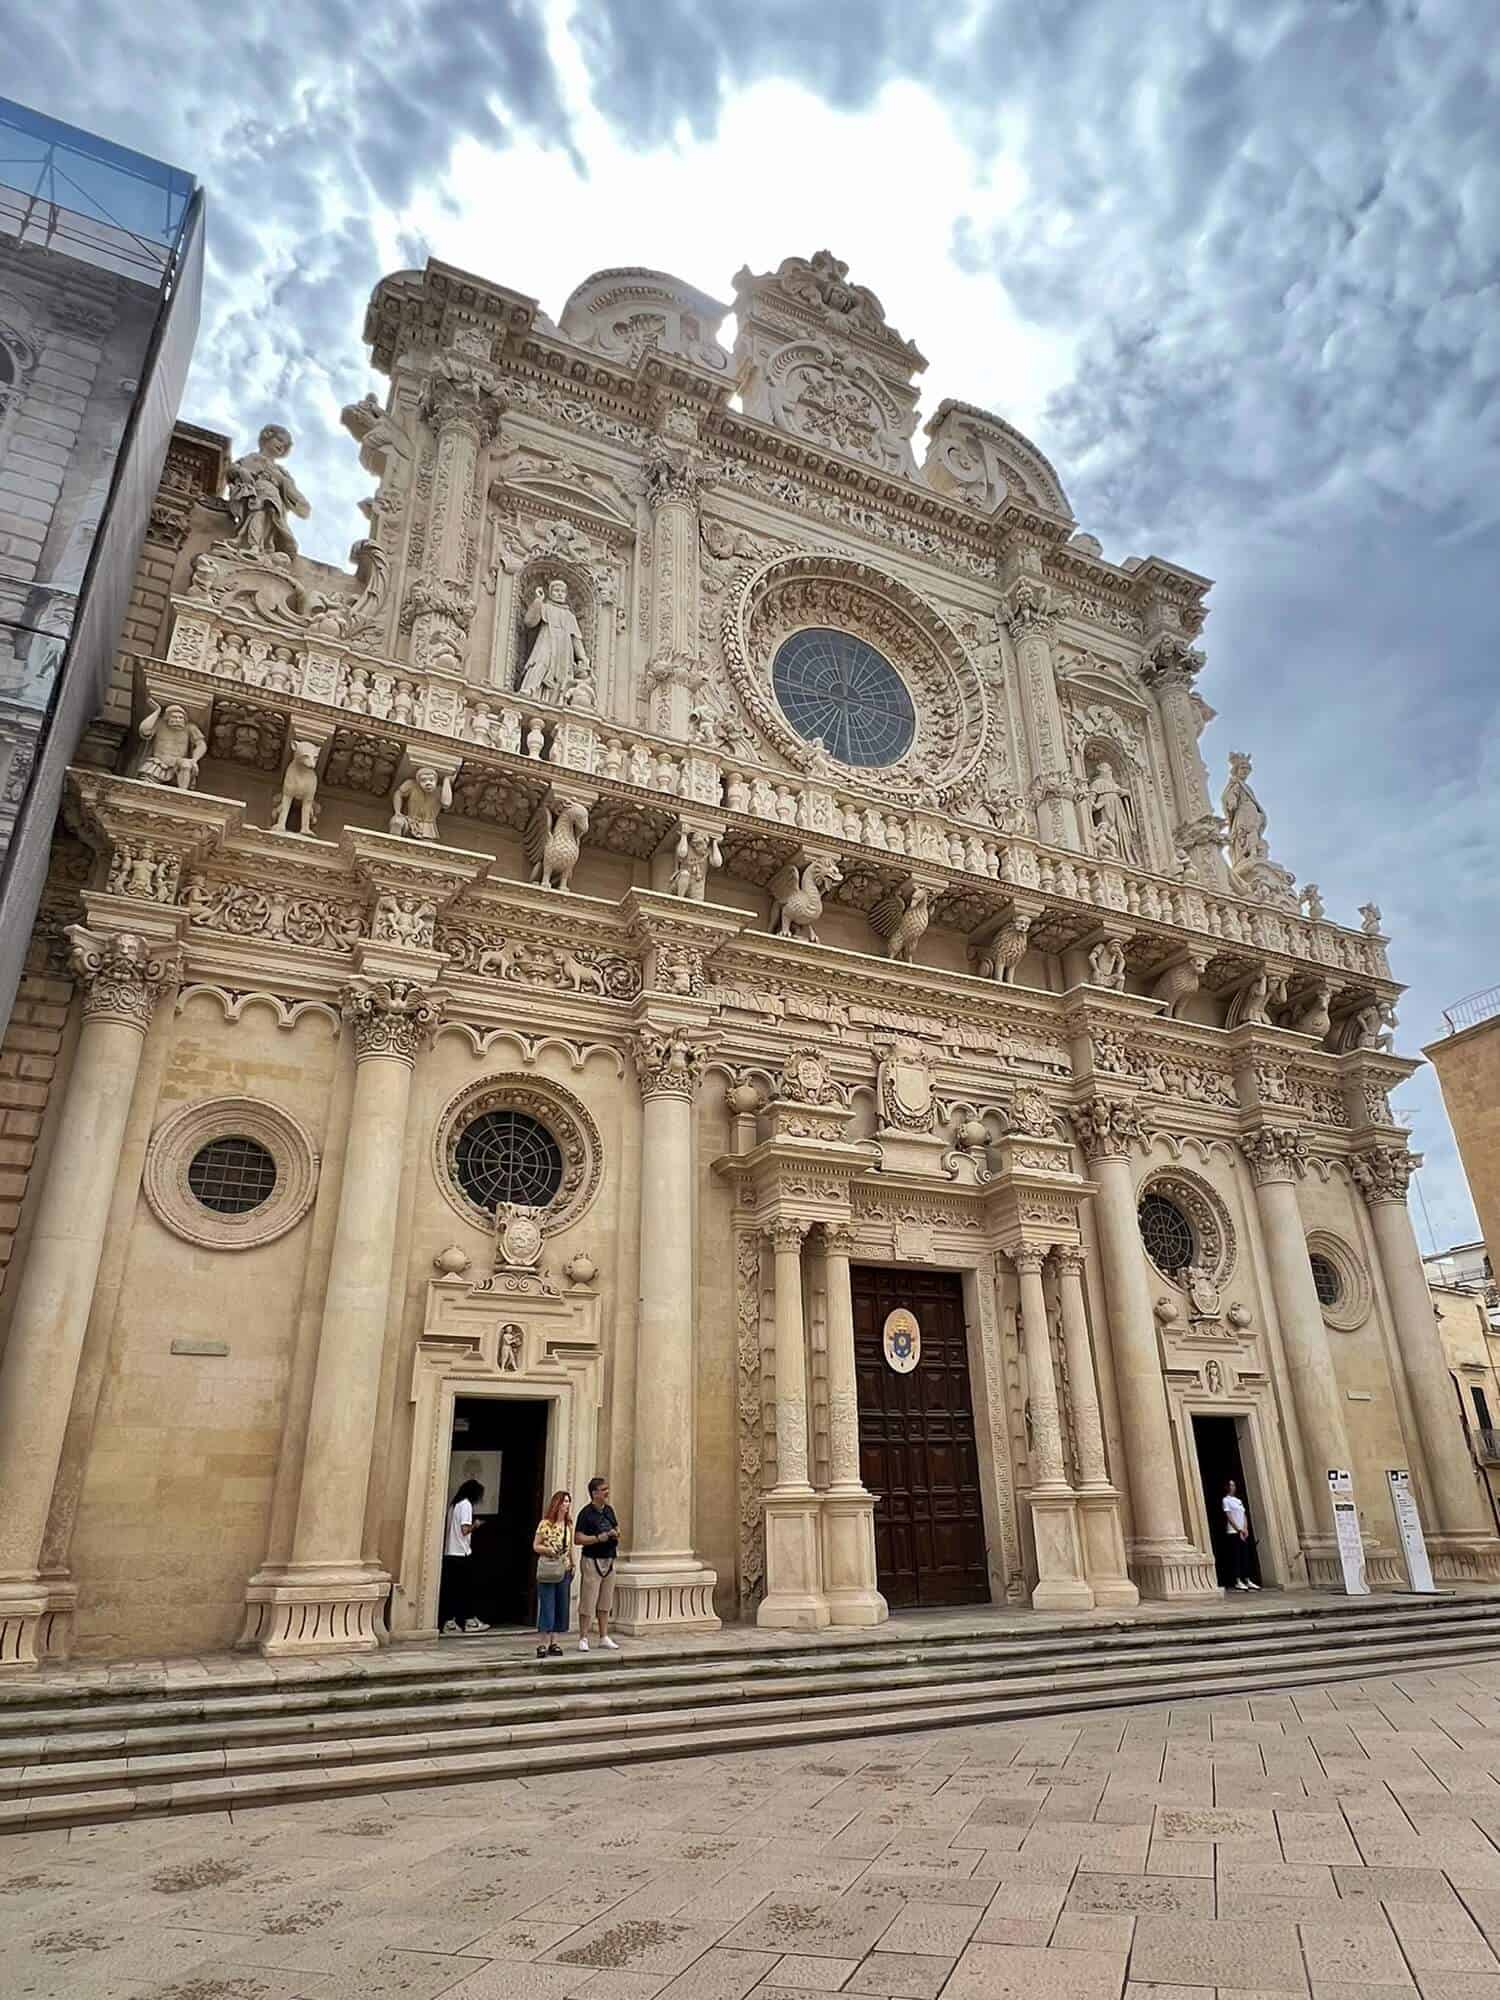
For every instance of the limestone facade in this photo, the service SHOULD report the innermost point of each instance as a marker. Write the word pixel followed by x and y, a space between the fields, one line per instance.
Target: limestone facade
pixel 697 870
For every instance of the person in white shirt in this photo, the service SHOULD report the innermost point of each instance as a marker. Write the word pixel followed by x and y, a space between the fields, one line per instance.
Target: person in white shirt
pixel 456 1613
pixel 1237 1537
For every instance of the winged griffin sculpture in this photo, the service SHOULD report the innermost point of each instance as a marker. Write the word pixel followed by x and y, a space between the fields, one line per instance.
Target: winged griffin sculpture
pixel 554 836
pixel 901 918
pixel 797 892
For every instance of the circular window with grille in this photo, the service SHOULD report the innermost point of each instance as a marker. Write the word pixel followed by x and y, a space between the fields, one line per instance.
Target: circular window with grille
pixel 1166 1233
pixel 232 1176
pixel 230 1173
pixel 1339 1279
pixel 1326 1280
pixel 508 1156
pixel 837 690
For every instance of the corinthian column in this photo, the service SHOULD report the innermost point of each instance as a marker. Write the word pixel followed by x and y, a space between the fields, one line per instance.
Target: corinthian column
pixel 463 409
pixel 1060 1584
pixel 329 1598
pixel 1169 670
pixel 662 1585
pixel 794 1579
pixel 121 976
pixel 850 1577
pixel 1098 1502
pixel 1164 1562
pixel 1462 1542
pixel 676 471
pixel 1277 1156
pixel 1031 611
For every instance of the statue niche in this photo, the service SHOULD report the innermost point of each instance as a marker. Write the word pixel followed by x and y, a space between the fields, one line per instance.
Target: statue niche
pixel 1110 806
pixel 546 664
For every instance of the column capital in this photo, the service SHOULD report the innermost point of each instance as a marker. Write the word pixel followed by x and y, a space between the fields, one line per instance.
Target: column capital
pixel 1382 1173
pixel 839 1239
pixel 122 974
pixel 1069 1257
pixel 1028 1257
pixel 668 1061
pixel 787 1232
pixel 1274 1153
pixel 1031 609
pixel 676 470
pixel 461 395
pixel 1105 1127
pixel 391 1018
pixel 1172 663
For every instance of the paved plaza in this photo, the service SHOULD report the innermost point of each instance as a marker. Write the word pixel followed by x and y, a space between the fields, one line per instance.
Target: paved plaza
pixel 1338 1842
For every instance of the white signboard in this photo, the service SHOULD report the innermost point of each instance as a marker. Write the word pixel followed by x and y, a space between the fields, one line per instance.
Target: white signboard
pixel 1409 1528
pixel 1346 1529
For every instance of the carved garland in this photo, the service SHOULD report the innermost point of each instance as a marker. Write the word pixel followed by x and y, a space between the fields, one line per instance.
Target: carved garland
pixel 177 1141
pixel 564 1116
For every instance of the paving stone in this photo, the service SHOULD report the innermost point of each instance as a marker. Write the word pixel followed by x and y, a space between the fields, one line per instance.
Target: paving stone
pixel 1401 1885
pixel 1019 1972
pixel 1438 1937
pixel 902 1975
pixel 1193 1952
pixel 721 1975
pixel 1135 1895
pixel 1359 1954
pixel 1093 1931
pixel 836 1927
pixel 811 1975
pixel 931 1929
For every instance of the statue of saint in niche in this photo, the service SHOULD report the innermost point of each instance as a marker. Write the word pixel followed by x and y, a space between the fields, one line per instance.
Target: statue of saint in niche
pixel 557 652
pixel 1112 813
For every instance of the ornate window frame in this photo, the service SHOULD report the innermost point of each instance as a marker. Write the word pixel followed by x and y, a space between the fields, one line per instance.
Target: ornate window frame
pixel 180 1137
pixel 1214 1242
pixel 1351 1308
pixel 565 1117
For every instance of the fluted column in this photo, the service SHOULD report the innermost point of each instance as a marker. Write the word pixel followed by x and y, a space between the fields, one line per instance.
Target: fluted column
pixel 329 1598
pixel 1277 1156
pixel 1169 670
pixel 794 1567
pixel 1098 1503
pixel 1060 1583
pixel 1164 1562
pixel 850 1578
pixel 1461 1536
pixel 1031 610
pixel 661 1584
pixel 121 978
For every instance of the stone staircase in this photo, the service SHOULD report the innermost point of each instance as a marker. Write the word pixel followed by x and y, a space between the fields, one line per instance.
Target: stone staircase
pixel 82 1754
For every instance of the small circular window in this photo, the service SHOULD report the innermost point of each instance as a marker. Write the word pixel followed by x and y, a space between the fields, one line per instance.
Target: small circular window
pixel 1326 1279
pixel 836 690
pixel 508 1156
pixel 1166 1233
pixel 232 1176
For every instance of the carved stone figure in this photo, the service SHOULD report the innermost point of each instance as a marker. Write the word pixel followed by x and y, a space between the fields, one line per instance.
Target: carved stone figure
pixel 1368 1027
pixel 261 495
pixel 299 788
pixel 697 851
pixel 1243 815
pixel 1369 919
pixel 1107 965
pixel 553 839
pixel 797 893
pixel 1249 1008
pixel 173 747
pixel 1000 954
pixel 1312 902
pixel 901 919
pixel 1112 815
pixel 417 801
pixel 558 647
pixel 1312 1017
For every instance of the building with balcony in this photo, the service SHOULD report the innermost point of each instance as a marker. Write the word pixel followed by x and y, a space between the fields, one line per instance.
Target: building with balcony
pixel 707 954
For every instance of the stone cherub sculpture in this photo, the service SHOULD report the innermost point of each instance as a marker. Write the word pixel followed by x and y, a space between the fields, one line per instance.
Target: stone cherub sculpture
pixel 299 789
pixel 697 851
pixel 260 496
pixel 417 801
pixel 557 655
pixel 173 746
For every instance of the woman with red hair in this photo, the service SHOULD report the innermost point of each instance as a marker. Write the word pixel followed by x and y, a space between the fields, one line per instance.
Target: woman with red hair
pixel 553 1545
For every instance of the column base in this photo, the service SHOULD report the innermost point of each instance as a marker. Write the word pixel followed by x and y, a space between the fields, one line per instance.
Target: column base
pixel 851 1586
pixel 674 1594
pixel 1060 1581
pixel 299 1610
pixel 36 1621
pixel 1168 1571
pixel 794 1599
pixel 1473 1558
pixel 1104 1549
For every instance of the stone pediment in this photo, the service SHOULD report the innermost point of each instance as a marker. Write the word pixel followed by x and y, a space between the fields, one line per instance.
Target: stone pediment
pixel 628 312
pixel 984 461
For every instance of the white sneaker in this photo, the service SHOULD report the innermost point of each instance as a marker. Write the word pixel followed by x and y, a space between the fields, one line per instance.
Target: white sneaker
pixel 1242 1585
pixel 451 1626
pixel 611 1645
pixel 473 1625
pixel 583 1645
pixel 1251 1586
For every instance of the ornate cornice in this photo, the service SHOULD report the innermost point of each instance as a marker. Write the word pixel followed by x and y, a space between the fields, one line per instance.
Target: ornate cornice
pixel 1274 1153
pixel 668 1061
pixel 1382 1173
pixel 1106 1128
pixel 391 1018
pixel 122 975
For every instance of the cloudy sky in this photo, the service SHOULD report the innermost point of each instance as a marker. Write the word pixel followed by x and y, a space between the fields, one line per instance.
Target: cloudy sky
pixel 1234 264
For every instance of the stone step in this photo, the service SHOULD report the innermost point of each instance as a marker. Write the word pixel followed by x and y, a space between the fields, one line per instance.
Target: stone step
pixel 38 1797
pixel 525 1693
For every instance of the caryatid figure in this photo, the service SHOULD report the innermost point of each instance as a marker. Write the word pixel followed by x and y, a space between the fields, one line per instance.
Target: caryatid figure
pixel 557 652
pixel 174 747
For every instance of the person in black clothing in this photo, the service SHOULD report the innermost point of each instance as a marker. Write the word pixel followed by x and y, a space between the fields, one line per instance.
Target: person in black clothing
pixel 597 1533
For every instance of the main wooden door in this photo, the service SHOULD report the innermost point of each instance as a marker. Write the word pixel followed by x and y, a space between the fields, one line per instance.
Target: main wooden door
pixel 916 1441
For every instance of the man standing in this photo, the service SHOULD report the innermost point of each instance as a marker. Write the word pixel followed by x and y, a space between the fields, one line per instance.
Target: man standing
pixel 597 1533
pixel 1237 1537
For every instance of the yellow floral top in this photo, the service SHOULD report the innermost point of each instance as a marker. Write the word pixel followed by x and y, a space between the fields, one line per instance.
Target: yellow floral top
pixel 553 1537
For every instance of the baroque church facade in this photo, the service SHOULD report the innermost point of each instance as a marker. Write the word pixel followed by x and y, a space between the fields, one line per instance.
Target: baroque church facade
pixel 708 955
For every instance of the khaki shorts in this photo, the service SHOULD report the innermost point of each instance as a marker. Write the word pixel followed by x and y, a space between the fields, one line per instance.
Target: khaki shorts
pixel 596 1592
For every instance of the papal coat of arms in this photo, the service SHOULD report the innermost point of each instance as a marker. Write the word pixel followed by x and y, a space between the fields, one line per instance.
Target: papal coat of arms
pixel 901 1337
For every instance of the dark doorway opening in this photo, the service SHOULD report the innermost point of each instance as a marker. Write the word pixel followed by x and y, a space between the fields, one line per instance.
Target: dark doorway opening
pixel 916 1441
pixel 502 1442
pixel 1217 1440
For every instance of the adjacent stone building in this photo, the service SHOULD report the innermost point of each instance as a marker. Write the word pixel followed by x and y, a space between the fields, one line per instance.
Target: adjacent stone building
pixel 708 954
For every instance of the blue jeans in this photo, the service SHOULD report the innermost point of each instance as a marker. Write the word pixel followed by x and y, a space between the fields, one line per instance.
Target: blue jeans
pixel 552 1605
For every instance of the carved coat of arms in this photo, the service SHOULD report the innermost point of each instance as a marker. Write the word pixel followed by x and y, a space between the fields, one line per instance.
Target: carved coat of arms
pixel 906 1088
pixel 901 1338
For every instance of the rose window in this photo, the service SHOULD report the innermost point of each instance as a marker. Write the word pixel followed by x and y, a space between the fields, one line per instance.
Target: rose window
pixel 508 1156
pixel 1166 1233
pixel 837 690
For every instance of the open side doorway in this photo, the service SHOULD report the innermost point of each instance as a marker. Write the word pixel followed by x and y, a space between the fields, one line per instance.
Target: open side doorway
pixel 1218 1441
pixel 501 1442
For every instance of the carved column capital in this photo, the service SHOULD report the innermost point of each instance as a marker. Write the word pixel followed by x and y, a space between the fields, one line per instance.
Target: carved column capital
pixel 1032 609
pixel 668 1061
pixel 787 1232
pixel 839 1239
pixel 1274 1153
pixel 460 396
pixel 1105 1127
pixel 1028 1257
pixel 676 471
pixel 1382 1173
pixel 391 1018
pixel 122 975
pixel 1069 1257
pixel 1172 665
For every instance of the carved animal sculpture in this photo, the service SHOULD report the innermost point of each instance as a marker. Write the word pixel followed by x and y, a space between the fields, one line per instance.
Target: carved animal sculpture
pixel 797 898
pixel 901 919
pixel 299 788
pixel 553 839
pixel 1005 950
